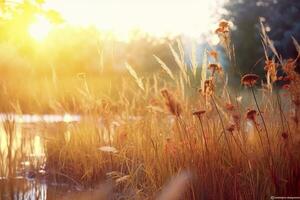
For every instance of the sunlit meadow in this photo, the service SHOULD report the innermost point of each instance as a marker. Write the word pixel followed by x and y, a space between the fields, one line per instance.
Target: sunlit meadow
pixel 142 100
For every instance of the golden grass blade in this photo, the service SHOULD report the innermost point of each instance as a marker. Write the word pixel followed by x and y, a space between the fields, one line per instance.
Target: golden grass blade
pixel 181 51
pixel 155 84
pixel 265 50
pixel 181 83
pixel 267 42
pixel 164 66
pixel 273 49
pixel 194 60
pixel 297 46
pixel 224 90
pixel 135 76
pixel 179 62
pixel 203 70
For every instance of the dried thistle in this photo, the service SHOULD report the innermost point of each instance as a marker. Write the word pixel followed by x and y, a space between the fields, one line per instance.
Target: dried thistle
pixel 209 88
pixel 172 105
pixel 215 68
pixel 231 128
pixel 224 24
pixel 223 32
pixel 229 107
pixel 271 69
pixel 199 113
pixel 237 120
pixel 249 80
pixel 251 115
pixel 213 54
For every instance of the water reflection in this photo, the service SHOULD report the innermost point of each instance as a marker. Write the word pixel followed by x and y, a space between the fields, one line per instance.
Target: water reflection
pixel 22 155
pixel 23 140
pixel 40 118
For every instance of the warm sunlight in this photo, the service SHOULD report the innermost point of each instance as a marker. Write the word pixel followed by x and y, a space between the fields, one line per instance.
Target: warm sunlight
pixel 40 29
pixel 149 99
pixel 158 18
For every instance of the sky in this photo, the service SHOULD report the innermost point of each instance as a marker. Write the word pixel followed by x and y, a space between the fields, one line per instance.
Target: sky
pixel 157 17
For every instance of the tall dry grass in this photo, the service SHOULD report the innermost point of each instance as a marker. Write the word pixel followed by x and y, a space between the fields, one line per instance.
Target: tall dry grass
pixel 218 142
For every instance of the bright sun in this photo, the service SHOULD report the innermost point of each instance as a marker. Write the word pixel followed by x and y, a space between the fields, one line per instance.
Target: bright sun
pixel 156 17
pixel 40 29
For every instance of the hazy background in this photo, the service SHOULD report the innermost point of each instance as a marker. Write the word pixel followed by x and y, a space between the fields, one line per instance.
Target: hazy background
pixel 91 40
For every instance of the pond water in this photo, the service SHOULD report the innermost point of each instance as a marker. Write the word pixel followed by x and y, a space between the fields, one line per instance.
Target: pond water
pixel 22 157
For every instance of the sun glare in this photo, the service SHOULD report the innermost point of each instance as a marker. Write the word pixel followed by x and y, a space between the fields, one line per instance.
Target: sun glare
pixel 157 18
pixel 40 29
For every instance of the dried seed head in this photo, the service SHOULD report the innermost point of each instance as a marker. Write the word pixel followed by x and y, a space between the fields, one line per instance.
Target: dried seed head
pixel 249 79
pixel 229 107
pixel 231 128
pixel 224 24
pixel 219 30
pixel 289 65
pixel 173 106
pixel 213 54
pixel 251 114
pixel 237 120
pixel 269 64
pixel 271 68
pixel 215 68
pixel 199 113
pixel 209 87
pixel 164 93
pixel 223 27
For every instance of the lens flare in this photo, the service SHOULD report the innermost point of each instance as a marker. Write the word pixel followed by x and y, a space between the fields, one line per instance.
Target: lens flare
pixel 40 29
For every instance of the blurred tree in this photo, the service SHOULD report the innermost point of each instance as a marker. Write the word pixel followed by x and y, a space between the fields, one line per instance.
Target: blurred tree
pixel 281 18
pixel 16 17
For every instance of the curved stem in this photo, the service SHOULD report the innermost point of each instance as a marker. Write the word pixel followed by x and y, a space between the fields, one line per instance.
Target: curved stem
pixel 224 131
pixel 203 133
pixel 264 123
pixel 260 138
pixel 239 146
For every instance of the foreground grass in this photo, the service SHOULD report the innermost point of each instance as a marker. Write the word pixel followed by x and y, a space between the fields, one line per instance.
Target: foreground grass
pixel 216 142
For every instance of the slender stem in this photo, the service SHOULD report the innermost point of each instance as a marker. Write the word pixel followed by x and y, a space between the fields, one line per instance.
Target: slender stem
pixel 263 121
pixel 224 131
pixel 206 146
pixel 203 133
pixel 187 135
pixel 239 146
pixel 273 174
pixel 179 128
pixel 280 110
pixel 260 138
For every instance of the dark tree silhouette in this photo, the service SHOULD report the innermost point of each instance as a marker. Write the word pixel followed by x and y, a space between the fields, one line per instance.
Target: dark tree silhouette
pixel 281 18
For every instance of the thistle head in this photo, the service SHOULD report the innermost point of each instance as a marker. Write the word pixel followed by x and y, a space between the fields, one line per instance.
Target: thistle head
pixel 173 106
pixel 249 80
pixel 231 128
pixel 213 54
pixel 215 67
pixel 229 106
pixel 199 113
pixel 251 114
pixel 224 24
